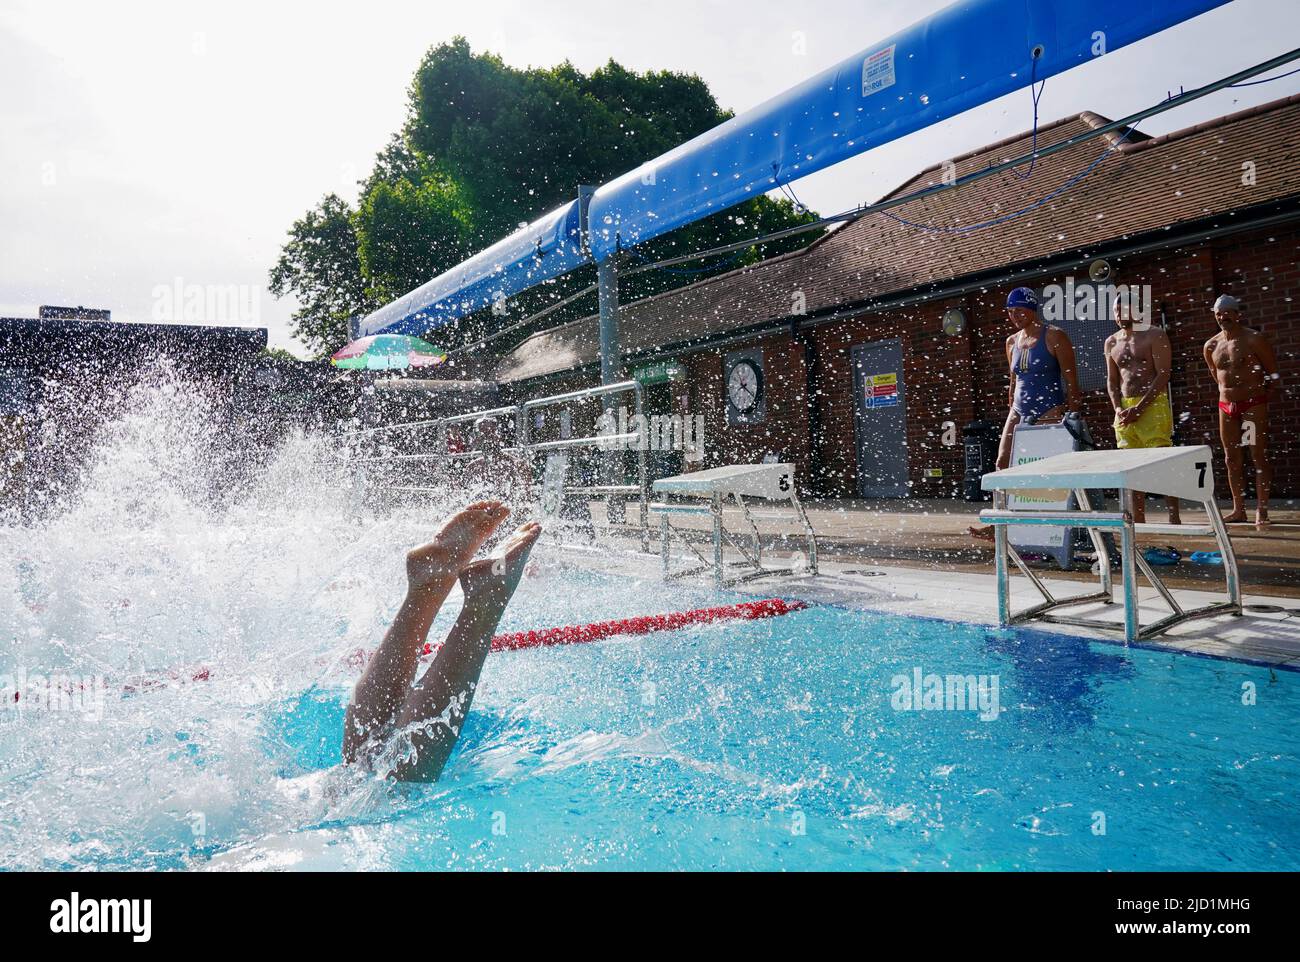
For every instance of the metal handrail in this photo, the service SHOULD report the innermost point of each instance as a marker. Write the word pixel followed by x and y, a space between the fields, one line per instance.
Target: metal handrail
pixel 527 447
pixel 618 387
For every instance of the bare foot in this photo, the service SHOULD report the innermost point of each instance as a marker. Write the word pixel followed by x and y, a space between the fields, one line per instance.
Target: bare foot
pixel 1261 518
pixel 1237 517
pixel 489 582
pixel 454 544
pixel 982 533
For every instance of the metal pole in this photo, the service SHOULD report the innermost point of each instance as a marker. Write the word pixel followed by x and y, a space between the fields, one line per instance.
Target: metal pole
pixel 611 372
pixel 642 469
pixel 1231 577
pixel 611 360
pixel 716 510
pixel 1000 561
pixel 1129 577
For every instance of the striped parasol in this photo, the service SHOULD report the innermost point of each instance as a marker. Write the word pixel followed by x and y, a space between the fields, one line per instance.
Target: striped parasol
pixel 387 352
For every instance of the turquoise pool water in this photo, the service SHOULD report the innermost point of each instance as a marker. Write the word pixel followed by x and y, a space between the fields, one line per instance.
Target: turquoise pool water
pixel 777 745
pixel 762 745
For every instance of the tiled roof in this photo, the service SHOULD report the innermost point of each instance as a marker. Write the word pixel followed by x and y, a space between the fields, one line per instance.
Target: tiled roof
pixel 1139 185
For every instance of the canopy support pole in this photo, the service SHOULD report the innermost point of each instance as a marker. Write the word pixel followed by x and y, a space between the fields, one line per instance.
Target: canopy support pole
pixel 611 368
pixel 611 360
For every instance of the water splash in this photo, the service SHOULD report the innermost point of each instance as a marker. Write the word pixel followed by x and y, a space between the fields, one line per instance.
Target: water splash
pixel 177 546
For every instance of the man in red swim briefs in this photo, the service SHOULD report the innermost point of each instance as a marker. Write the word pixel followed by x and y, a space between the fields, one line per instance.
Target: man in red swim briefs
pixel 1242 363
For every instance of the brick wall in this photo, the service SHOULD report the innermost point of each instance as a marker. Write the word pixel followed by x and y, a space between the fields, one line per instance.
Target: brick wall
pixel 962 378
pixel 784 430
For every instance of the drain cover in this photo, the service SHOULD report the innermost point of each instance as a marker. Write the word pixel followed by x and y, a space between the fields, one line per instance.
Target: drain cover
pixel 1264 609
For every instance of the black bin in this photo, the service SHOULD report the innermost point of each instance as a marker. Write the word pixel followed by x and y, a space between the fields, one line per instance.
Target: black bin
pixel 981 443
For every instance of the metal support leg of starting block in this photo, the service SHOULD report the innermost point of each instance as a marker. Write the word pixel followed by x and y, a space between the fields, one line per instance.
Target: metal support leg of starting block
pixel 1131 562
pixel 715 510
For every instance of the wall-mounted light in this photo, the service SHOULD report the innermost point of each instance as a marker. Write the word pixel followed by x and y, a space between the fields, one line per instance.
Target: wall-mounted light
pixel 954 321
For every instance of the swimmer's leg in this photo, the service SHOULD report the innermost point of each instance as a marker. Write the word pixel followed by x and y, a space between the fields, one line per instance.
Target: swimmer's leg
pixel 436 708
pixel 431 570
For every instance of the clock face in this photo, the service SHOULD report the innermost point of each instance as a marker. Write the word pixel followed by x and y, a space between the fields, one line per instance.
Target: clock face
pixel 744 385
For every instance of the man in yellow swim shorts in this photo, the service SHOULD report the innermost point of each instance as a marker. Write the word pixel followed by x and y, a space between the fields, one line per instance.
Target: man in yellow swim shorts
pixel 1138 363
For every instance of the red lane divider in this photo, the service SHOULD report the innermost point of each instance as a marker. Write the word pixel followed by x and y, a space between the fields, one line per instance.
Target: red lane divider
pixel 643 625
pixel 545 637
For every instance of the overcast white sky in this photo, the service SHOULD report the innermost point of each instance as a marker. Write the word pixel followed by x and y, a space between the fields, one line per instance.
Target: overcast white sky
pixel 141 142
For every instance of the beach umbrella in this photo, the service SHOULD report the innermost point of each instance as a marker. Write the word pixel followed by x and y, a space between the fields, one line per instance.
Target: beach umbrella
pixel 387 352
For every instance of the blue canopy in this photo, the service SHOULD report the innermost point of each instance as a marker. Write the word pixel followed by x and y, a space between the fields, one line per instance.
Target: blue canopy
pixel 547 248
pixel 965 55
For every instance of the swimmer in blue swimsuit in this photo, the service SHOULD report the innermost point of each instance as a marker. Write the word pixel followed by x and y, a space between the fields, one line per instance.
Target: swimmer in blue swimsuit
pixel 1044 379
pixel 429 714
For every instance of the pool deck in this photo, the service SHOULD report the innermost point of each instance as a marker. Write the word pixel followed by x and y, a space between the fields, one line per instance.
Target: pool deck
pixel 916 559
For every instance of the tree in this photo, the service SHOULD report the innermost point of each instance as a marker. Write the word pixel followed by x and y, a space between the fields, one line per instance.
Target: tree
pixel 485 148
pixel 410 230
pixel 320 267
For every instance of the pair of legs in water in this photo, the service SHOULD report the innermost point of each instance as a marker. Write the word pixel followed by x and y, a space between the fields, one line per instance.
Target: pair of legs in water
pixel 387 700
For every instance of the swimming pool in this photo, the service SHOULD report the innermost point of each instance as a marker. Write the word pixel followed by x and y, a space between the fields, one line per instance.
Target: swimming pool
pixel 779 744
pixel 783 744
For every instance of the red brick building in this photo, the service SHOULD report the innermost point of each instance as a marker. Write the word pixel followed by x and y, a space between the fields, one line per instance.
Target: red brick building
pixel 1211 209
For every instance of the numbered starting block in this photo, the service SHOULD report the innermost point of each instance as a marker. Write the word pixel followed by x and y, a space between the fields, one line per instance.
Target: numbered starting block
pixel 1185 473
pixel 772 484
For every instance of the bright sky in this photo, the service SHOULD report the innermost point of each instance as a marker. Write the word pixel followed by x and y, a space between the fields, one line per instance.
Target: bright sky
pixel 149 142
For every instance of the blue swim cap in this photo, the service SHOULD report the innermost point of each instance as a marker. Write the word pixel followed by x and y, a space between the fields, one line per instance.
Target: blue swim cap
pixel 1023 297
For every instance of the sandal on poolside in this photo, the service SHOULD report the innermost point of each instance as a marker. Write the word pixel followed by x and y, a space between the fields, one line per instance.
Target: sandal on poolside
pixel 1162 556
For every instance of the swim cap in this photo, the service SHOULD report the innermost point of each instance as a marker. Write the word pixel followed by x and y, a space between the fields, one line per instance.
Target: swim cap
pixel 1227 302
pixel 1023 297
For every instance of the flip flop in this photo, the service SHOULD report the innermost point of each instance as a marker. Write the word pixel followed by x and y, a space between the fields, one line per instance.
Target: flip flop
pixel 1206 558
pixel 1162 556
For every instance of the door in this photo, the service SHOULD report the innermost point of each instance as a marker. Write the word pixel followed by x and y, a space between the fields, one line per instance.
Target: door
pixel 881 406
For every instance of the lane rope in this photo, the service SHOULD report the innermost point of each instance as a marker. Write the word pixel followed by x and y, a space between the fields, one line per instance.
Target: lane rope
pixel 532 638
pixel 643 625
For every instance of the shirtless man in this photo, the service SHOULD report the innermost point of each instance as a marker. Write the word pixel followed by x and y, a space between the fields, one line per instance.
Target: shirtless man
pixel 428 715
pixel 1044 377
pixel 1242 363
pixel 1138 364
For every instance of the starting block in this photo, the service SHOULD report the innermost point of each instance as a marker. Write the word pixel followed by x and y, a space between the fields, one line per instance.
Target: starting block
pixel 1182 472
pixel 772 483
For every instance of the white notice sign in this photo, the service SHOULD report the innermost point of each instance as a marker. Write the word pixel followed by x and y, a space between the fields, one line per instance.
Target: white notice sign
pixel 1033 443
pixel 878 71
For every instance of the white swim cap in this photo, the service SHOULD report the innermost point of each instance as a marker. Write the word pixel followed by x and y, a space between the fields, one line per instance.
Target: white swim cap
pixel 1227 302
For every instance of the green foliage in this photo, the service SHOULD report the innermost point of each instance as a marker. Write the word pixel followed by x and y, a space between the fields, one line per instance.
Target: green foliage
pixel 487 147
pixel 408 231
pixel 319 266
pixel 277 355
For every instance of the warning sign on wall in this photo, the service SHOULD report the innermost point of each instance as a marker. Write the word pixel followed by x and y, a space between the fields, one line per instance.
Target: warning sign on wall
pixel 881 390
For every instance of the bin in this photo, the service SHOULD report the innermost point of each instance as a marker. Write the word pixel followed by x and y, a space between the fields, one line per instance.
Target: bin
pixel 981 443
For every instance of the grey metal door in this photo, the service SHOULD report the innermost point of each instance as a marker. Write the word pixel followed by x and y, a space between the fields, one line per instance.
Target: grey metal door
pixel 881 406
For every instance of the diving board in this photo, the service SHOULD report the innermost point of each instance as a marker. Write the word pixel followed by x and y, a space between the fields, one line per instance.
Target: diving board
pixel 1179 472
pixel 772 483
